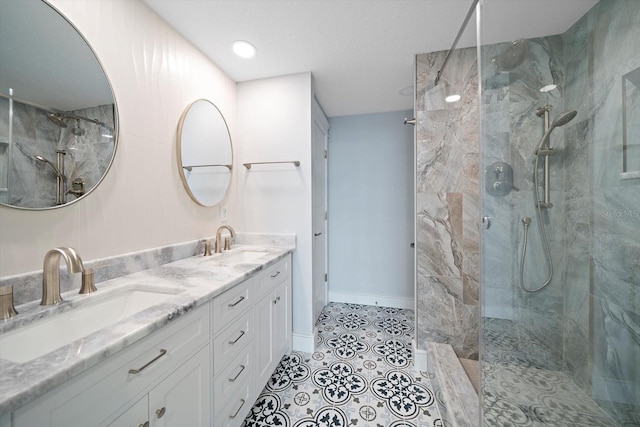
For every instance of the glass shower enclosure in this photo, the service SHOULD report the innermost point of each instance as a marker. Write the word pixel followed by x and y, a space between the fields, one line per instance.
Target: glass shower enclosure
pixel 560 188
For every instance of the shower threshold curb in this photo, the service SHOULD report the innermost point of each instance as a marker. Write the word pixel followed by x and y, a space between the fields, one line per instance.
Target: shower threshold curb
pixel 461 399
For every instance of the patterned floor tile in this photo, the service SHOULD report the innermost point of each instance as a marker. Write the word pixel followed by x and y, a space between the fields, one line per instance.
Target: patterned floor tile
pixel 361 374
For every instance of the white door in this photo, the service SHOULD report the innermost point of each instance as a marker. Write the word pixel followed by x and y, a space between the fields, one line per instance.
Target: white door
pixel 319 140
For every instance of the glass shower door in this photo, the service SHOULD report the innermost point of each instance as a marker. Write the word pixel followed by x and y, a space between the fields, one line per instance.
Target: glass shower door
pixel 560 326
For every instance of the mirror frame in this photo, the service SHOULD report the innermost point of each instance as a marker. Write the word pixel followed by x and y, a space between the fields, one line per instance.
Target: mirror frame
pixel 179 141
pixel 116 120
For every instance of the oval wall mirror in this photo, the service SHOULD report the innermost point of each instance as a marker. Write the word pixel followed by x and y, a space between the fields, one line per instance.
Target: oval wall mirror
pixel 58 115
pixel 205 153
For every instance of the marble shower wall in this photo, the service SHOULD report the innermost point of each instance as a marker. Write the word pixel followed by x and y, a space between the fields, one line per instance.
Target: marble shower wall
pixel 511 130
pixel 33 184
pixel 447 246
pixel 603 211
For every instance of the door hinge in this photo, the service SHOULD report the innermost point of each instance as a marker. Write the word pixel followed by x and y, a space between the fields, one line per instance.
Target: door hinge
pixel 325 277
pixel 325 154
pixel 326 215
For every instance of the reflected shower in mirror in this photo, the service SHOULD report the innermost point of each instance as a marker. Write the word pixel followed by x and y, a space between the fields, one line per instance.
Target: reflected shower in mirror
pixel 58 117
pixel 205 154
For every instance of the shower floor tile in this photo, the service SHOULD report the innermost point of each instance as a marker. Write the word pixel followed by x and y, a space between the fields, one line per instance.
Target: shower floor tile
pixel 361 374
pixel 522 384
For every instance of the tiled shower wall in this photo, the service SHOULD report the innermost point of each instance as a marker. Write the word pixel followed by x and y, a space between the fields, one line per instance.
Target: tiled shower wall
pixel 602 295
pixel 513 129
pixel 447 246
pixel 448 211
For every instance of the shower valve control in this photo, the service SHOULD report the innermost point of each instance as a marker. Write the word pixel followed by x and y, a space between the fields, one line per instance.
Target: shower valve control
pixel 499 179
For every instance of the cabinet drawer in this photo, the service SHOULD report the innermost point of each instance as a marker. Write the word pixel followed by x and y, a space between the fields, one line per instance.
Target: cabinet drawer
pixel 234 413
pixel 111 384
pixel 233 378
pixel 273 275
pixel 230 342
pixel 231 304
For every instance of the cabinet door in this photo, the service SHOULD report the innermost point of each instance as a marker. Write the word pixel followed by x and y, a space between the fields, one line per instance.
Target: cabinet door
pixel 281 321
pixel 263 339
pixel 183 399
pixel 135 416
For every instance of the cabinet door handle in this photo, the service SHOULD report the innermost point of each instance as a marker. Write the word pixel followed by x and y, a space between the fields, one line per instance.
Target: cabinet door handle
pixel 238 410
pixel 273 276
pixel 137 371
pixel 236 340
pixel 160 412
pixel 146 424
pixel 237 302
pixel 317 234
pixel 238 374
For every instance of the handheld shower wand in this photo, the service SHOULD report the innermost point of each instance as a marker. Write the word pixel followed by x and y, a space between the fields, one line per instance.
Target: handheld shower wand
pixel 543 149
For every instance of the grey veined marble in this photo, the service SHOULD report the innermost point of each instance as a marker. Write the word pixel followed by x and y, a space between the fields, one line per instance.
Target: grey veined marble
pixel 588 318
pixel 191 281
pixel 447 203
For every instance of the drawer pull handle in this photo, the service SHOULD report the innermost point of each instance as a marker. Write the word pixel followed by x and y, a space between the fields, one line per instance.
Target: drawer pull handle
pixel 273 276
pixel 137 371
pixel 237 411
pixel 237 302
pixel 238 374
pixel 236 340
pixel 160 412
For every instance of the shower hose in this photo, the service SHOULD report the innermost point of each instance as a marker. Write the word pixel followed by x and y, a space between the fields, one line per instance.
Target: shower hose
pixel 525 223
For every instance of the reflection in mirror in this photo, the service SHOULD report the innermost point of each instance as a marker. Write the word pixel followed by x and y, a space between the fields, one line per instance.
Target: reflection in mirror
pixel 631 121
pixel 58 118
pixel 205 154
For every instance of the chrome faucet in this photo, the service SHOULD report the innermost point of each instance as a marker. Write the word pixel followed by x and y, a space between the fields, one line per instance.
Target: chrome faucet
pixel 227 245
pixel 51 272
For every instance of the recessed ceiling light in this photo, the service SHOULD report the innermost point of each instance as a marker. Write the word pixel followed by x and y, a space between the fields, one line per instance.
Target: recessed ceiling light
pixel 452 98
pixel 548 88
pixel 244 49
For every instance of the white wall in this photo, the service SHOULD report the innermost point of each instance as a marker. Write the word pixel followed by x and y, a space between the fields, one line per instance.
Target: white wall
pixel 370 225
pixel 141 204
pixel 276 126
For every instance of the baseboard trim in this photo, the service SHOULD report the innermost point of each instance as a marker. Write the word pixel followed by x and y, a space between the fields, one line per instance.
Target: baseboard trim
pixel 304 343
pixel 379 300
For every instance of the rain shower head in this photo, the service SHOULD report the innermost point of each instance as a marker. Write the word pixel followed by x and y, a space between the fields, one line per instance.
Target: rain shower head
pixel 563 118
pixel 512 56
pixel 56 119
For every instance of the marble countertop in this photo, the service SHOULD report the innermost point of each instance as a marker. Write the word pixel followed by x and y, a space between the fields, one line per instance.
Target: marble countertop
pixel 197 279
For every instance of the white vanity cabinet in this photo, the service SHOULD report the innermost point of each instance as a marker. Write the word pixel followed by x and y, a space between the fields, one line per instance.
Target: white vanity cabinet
pixel 159 368
pixel 204 369
pixel 248 345
pixel 180 400
pixel 232 334
pixel 273 318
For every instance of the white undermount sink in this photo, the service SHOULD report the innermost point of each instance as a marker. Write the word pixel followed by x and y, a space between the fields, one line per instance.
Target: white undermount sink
pixel 241 256
pixel 50 333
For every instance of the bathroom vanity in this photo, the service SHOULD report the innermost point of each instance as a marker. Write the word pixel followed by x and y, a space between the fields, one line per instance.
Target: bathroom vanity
pixel 200 356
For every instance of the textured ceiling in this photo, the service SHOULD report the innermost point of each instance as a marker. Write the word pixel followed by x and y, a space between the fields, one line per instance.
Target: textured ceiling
pixel 360 52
